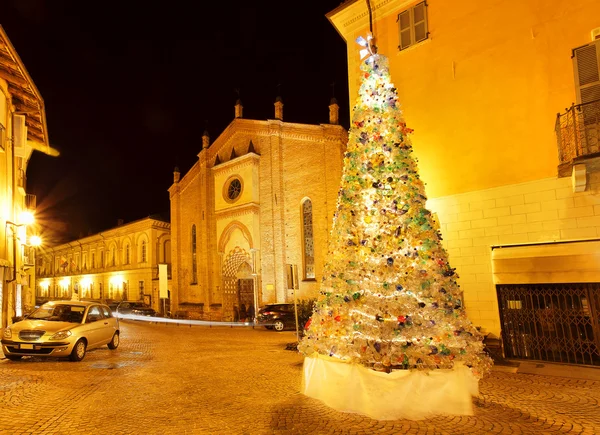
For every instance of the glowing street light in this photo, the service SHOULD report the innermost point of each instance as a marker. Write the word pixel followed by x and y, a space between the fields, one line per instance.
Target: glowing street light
pixel 27 218
pixel 35 241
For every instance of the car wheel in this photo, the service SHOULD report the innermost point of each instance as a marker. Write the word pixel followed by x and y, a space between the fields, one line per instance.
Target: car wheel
pixel 13 357
pixel 78 352
pixel 114 343
pixel 278 325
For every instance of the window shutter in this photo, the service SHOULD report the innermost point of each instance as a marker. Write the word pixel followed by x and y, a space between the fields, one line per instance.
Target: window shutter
pixel 420 20
pixel 587 72
pixel 404 20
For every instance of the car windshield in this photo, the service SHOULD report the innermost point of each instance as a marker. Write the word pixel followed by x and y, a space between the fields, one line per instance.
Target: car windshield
pixel 58 313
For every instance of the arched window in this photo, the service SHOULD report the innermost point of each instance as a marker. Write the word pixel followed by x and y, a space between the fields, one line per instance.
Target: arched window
pixel 112 254
pixel 143 256
pixel 167 252
pixel 308 240
pixel 127 254
pixel 194 265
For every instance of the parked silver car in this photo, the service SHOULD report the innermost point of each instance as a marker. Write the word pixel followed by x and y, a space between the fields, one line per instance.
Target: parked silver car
pixel 62 329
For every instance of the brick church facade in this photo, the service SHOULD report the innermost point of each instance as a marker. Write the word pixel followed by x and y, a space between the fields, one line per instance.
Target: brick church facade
pixel 251 219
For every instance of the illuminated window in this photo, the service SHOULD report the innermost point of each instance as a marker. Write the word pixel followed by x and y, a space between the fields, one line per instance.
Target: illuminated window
pixel 412 24
pixel 194 266
pixel 308 240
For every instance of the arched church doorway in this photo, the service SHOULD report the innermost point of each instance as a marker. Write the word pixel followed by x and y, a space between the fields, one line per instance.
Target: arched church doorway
pixel 238 284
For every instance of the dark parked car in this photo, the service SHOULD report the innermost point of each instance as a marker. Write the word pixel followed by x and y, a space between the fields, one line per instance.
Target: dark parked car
pixel 277 316
pixel 135 308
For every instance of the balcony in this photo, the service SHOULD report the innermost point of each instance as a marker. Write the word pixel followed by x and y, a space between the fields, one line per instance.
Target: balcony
pixel 578 135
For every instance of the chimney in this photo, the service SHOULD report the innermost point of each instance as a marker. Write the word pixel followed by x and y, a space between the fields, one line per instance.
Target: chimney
pixel 238 108
pixel 119 222
pixel 205 140
pixel 176 175
pixel 334 112
pixel 279 108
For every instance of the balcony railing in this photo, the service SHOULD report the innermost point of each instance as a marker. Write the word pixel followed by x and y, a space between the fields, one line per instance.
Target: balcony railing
pixel 578 132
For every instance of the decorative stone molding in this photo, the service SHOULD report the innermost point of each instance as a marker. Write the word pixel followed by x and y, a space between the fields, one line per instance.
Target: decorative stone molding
pixel 229 229
pixel 241 210
pixel 355 15
pixel 240 162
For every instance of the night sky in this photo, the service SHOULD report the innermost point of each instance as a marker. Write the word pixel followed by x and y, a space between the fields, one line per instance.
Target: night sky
pixel 130 86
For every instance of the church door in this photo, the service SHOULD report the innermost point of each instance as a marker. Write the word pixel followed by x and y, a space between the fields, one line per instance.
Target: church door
pixel 245 293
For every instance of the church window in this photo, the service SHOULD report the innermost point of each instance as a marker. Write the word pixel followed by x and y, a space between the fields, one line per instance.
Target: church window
pixel 233 189
pixel 308 240
pixel 194 265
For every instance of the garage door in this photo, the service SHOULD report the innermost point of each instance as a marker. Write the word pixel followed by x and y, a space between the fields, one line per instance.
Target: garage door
pixel 551 322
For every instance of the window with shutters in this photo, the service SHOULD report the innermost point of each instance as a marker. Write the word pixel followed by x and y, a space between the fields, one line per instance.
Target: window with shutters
pixel 586 63
pixel 412 25
pixel 578 129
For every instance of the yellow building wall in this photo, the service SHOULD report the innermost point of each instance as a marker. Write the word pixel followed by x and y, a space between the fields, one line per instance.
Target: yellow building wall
pixel 482 93
pixel 54 282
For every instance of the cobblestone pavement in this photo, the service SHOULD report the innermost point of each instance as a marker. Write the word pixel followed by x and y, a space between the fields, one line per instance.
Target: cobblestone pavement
pixel 167 379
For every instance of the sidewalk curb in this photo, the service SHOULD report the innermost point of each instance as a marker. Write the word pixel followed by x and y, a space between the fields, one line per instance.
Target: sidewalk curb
pixel 550 369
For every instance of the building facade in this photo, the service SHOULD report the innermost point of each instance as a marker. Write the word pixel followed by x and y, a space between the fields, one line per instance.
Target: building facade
pixel 118 264
pixel 512 175
pixel 251 219
pixel 22 130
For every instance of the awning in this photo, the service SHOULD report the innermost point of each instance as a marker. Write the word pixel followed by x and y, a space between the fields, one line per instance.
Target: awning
pixel 559 262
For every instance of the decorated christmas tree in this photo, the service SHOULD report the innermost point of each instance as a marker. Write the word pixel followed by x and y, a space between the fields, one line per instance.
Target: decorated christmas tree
pixel 390 302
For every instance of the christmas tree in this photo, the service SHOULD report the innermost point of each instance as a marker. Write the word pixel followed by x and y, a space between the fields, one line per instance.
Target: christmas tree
pixel 389 298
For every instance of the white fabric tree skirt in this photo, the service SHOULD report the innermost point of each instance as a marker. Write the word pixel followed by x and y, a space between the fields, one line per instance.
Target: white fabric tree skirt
pixel 413 395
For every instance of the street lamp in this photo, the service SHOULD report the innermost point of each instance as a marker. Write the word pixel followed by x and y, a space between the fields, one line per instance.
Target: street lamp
pixel 35 241
pixel 27 218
